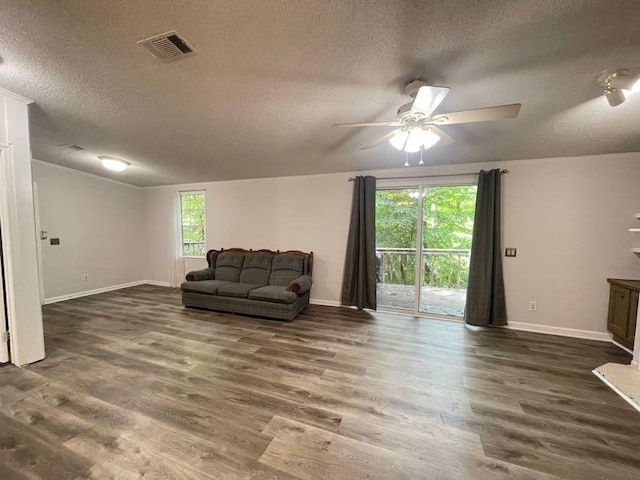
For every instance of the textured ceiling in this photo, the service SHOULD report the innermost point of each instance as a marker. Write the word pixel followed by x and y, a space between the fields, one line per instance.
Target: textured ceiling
pixel 270 77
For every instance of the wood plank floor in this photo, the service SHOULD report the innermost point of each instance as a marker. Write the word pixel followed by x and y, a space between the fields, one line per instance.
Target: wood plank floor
pixel 136 386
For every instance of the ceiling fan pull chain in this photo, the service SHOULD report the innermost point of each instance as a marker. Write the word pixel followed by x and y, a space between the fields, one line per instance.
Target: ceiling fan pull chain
pixel 406 159
pixel 421 162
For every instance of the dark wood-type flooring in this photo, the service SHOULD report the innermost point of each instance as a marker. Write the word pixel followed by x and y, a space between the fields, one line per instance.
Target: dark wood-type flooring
pixel 136 386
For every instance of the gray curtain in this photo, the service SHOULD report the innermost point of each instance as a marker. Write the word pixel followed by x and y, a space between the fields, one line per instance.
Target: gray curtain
pixel 359 281
pixel 485 292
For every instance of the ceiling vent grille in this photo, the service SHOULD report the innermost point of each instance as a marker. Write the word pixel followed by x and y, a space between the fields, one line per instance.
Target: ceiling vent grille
pixel 71 146
pixel 167 47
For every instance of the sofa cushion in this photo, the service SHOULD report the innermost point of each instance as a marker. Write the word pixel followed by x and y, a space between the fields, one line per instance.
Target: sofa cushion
pixel 300 285
pixel 238 290
pixel 203 286
pixel 204 274
pixel 273 293
pixel 228 266
pixel 285 268
pixel 256 268
pixel 212 256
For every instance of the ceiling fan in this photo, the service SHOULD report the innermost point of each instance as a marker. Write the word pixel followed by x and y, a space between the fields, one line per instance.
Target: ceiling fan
pixel 417 124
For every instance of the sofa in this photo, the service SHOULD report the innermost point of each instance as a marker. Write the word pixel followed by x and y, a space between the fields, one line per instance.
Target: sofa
pixel 262 283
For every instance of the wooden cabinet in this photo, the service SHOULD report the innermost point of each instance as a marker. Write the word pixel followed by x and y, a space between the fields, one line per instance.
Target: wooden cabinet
pixel 623 310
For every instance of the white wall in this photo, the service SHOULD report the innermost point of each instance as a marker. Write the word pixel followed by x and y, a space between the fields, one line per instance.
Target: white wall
pixel 568 217
pixel 101 225
pixel 308 213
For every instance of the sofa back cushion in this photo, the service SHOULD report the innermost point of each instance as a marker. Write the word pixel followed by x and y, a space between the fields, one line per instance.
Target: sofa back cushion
pixel 212 255
pixel 285 268
pixel 256 268
pixel 229 265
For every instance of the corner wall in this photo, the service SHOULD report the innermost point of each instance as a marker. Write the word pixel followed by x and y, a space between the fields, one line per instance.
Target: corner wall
pixel 569 219
pixel 101 227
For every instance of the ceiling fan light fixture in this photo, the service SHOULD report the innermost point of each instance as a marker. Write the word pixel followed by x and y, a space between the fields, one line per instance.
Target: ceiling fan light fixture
pixel 625 80
pixel 399 139
pixel 616 82
pixel 113 163
pixel 420 138
pixel 614 96
pixel 418 123
pixel 429 138
pixel 414 141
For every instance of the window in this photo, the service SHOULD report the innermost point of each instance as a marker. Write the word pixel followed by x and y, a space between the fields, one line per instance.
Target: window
pixel 192 223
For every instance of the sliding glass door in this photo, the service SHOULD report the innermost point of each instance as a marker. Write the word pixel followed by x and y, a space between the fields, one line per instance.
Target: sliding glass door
pixel 423 266
pixel 447 226
pixel 396 237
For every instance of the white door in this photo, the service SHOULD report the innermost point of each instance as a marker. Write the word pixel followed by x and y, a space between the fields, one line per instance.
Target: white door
pixel 4 343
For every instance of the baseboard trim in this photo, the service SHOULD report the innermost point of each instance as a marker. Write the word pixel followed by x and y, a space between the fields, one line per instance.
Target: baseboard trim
pixel 326 303
pixel 157 283
pixel 86 293
pixel 564 332
pixel 110 288
pixel 628 350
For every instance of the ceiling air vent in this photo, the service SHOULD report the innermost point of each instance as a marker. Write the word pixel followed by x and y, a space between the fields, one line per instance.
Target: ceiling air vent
pixel 167 47
pixel 71 146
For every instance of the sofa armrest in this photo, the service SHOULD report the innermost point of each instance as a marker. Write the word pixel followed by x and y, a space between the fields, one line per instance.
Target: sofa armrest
pixel 301 285
pixel 197 275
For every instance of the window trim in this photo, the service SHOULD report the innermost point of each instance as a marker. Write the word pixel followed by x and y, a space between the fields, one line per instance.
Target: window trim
pixel 183 193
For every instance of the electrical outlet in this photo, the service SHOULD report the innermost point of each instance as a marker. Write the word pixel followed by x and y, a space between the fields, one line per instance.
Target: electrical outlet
pixel 85 277
pixel 533 306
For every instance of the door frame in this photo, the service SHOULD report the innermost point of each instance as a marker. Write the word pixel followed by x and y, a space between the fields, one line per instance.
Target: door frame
pixel 420 183
pixel 36 219
pixel 4 344
pixel 7 324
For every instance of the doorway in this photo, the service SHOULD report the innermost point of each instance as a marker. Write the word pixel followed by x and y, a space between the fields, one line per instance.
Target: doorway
pixel 4 326
pixel 423 243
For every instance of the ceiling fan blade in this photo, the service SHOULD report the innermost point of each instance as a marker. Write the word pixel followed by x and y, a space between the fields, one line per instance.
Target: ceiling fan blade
pixel 375 124
pixel 445 139
pixel 479 115
pixel 428 99
pixel 380 140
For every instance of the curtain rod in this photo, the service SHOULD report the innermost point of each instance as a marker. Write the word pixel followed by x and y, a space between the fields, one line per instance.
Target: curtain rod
pixel 504 170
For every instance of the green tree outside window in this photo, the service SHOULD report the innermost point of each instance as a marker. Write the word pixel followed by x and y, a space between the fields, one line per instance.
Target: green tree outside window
pixel 192 216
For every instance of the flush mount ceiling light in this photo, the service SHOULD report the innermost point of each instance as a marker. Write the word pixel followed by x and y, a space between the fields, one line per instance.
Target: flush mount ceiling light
pixel 113 163
pixel 618 81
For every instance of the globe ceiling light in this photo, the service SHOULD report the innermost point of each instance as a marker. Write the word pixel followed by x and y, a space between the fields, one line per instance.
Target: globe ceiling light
pixel 429 138
pixel 113 163
pixel 399 139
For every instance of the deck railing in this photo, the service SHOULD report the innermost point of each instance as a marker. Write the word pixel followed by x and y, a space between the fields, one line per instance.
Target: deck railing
pixel 443 268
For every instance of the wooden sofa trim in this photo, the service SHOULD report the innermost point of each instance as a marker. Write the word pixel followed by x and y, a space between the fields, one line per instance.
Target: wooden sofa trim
pixel 308 267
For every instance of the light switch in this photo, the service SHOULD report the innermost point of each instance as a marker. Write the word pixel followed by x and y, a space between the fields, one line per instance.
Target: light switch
pixel 510 252
pixel 55 241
